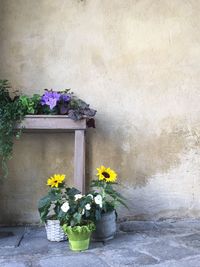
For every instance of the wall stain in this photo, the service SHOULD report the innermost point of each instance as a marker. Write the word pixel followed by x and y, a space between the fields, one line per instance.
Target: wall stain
pixel 146 154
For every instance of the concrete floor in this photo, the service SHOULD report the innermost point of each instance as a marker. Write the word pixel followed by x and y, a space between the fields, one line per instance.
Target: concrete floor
pixel 170 243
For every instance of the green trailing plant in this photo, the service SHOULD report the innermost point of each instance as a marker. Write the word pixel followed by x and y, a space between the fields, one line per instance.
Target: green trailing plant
pixel 11 112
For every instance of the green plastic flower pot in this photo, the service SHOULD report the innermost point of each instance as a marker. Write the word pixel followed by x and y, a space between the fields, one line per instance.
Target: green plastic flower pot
pixel 79 245
pixel 79 236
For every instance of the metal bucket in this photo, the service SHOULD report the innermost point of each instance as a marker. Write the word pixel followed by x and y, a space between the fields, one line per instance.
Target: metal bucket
pixel 106 227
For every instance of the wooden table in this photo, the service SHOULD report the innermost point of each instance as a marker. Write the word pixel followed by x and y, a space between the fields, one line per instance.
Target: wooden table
pixel 62 123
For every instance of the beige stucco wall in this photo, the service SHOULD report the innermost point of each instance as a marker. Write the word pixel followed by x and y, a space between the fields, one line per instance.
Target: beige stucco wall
pixel 138 63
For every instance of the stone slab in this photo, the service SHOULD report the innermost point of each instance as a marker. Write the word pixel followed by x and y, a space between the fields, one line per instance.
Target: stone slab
pixel 12 240
pixel 78 259
pixel 192 240
pixel 163 250
pixel 190 262
pixel 137 226
pixel 125 257
pixel 14 263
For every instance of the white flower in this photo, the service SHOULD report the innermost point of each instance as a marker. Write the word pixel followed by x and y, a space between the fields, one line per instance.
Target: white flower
pixel 65 207
pixel 78 196
pixel 88 206
pixel 98 200
pixel 90 195
pixel 83 211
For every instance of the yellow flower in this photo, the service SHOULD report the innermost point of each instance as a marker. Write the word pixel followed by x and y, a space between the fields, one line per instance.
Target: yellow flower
pixel 55 180
pixel 106 174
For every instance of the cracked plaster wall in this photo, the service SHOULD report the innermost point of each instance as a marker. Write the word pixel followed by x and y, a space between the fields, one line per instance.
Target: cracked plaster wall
pixel 137 63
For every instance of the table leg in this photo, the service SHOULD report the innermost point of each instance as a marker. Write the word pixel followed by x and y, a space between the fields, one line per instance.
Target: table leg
pixel 79 160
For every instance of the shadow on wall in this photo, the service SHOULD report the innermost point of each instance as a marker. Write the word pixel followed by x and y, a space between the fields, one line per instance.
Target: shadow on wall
pixel 134 153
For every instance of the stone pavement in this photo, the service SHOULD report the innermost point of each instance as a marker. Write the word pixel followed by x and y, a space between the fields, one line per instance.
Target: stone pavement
pixel 169 243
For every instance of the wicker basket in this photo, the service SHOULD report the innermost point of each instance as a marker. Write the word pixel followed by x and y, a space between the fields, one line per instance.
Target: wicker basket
pixel 54 231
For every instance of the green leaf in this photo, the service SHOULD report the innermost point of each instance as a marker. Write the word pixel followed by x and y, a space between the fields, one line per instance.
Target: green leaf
pixel 122 202
pixel 44 214
pixel 77 218
pixel 53 196
pixel 97 215
pixel 44 202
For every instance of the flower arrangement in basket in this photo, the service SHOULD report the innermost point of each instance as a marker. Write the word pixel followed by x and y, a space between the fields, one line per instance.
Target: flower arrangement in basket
pixel 77 217
pixel 49 207
pixel 66 211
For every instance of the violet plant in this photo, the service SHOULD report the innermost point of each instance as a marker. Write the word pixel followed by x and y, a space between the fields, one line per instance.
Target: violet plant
pixel 50 98
pixel 65 103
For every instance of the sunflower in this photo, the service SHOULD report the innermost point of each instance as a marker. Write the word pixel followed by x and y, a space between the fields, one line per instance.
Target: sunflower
pixel 55 180
pixel 106 174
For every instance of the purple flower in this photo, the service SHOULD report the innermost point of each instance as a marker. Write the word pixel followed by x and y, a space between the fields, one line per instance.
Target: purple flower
pixel 65 97
pixel 50 98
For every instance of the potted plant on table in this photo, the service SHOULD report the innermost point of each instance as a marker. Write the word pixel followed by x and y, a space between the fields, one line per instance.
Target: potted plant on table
pixel 77 217
pixel 14 108
pixel 49 207
pixel 108 199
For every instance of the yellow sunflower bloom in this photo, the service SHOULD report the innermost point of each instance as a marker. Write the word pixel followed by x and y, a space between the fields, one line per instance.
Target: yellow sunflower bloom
pixel 55 180
pixel 106 174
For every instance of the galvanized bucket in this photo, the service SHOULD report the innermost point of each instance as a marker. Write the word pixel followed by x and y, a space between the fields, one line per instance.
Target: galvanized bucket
pixel 106 227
